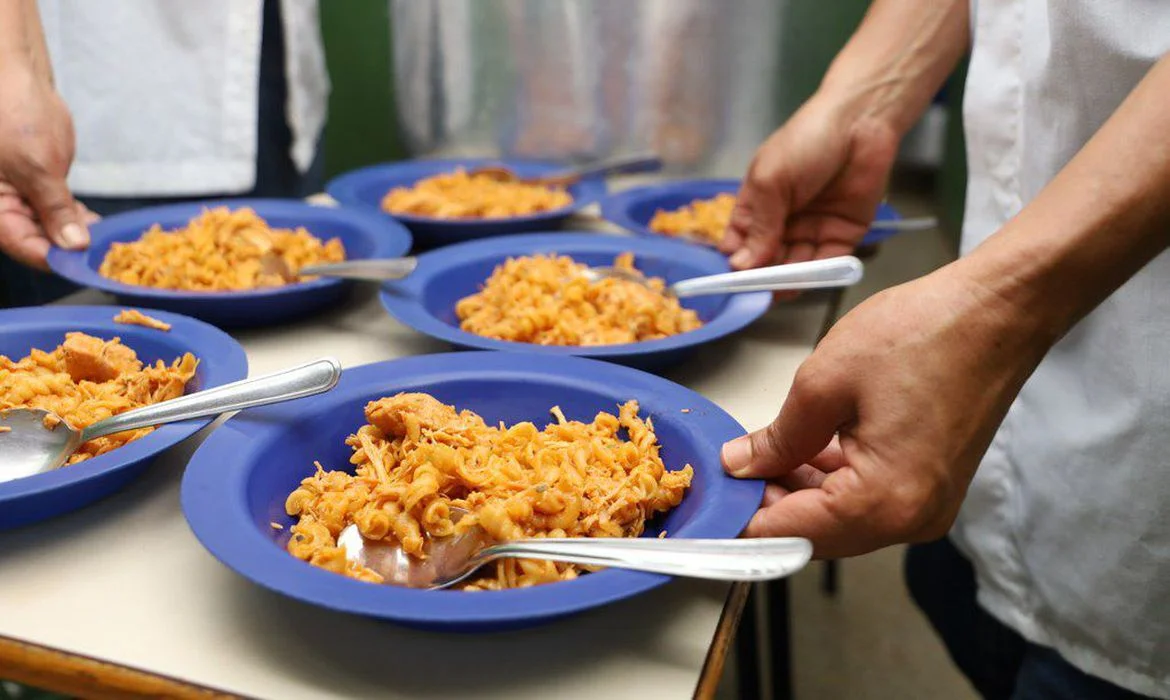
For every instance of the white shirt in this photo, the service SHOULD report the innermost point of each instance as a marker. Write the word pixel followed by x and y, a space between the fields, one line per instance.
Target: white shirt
pixel 164 95
pixel 1068 519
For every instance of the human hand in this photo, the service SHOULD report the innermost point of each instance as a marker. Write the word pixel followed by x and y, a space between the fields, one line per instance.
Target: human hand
pixel 36 150
pixel 813 187
pixel 889 417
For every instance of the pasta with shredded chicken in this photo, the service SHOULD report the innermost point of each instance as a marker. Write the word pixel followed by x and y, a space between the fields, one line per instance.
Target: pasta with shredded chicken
pixel 417 459
pixel 702 219
pixel 87 379
pixel 461 195
pixel 547 300
pixel 219 251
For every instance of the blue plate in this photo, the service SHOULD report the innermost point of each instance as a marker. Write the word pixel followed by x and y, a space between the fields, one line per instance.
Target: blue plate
pixel 426 299
pixel 363 235
pixel 237 482
pixel 633 209
pixel 365 188
pixel 221 361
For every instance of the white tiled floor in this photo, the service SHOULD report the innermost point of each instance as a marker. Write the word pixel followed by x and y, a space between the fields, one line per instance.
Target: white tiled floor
pixel 870 642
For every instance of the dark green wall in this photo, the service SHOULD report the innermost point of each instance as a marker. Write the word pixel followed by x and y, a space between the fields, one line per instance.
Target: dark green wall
pixel 815 32
pixel 362 128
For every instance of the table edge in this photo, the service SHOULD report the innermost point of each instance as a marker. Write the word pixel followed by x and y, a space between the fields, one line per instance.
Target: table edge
pixel 60 671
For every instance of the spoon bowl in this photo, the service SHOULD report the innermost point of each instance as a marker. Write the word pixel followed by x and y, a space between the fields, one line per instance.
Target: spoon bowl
pixel 33 441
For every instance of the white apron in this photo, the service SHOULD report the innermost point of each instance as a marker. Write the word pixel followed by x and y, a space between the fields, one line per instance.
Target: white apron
pixel 1068 519
pixel 165 95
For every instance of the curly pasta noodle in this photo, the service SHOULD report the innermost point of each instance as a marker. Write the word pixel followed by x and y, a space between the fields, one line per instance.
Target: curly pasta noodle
pixel 705 219
pixel 417 459
pixel 218 251
pixel 87 379
pixel 459 195
pixel 134 317
pixel 546 300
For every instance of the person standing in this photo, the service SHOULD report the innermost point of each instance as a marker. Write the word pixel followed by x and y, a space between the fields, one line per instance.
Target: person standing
pixel 170 102
pixel 1015 402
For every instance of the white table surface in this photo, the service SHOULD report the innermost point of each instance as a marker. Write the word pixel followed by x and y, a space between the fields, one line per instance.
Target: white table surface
pixel 125 581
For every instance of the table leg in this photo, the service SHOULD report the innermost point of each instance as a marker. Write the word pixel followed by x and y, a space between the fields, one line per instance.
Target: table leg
pixel 829 577
pixel 780 641
pixel 747 649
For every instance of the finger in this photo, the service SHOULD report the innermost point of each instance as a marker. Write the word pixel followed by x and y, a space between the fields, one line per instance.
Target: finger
pixel 772 494
pixel 57 210
pixel 731 241
pixel 809 514
pixel 87 215
pixel 831 234
pixel 793 252
pixel 759 215
pixel 831 458
pixel 10 203
pixel 23 240
pixel 816 407
pixel 803 477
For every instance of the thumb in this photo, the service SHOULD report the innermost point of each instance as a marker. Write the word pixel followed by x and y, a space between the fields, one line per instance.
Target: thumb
pixel 59 214
pixel 807 422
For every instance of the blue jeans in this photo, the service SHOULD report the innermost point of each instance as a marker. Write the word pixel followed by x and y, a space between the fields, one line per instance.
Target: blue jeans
pixel 276 176
pixel 1000 663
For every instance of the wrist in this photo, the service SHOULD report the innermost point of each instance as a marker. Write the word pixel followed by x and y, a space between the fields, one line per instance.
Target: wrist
pixel 882 101
pixel 1015 293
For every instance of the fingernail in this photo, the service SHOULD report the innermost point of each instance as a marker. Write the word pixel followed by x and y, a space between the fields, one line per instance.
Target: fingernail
pixel 742 257
pixel 73 236
pixel 737 455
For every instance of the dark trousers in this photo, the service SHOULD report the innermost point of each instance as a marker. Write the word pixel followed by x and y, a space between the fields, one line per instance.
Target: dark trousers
pixel 1000 663
pixel 276 176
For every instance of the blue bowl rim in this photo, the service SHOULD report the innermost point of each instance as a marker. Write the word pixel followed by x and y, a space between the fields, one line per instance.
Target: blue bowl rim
pixel 201 339
pixel 387 238
pixel 615 207
pixel 343 188
pixel 401 298
pixel 213 495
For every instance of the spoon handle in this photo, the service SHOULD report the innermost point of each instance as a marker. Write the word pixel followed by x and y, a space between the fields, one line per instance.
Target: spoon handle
pixel 375 270
pixel 761 559
pixel 635 163
pixel 840 271
pixel 305 380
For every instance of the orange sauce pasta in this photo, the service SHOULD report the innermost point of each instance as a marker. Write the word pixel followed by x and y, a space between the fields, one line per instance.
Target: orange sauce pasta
pixel 417 458
pixel 87 379
pixel 705 219
pixel 459 195
pixel 218 251
pixel 546 300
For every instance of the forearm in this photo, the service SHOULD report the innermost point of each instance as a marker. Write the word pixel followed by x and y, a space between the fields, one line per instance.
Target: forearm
pixel 22 40
pixel 35 33
pixel 1093 227
pixel 899 58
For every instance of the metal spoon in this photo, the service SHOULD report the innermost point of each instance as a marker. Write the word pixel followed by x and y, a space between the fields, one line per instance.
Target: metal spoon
pixel 378 270
pixel 30 446
pixel 841 271
pixel 637 163
pixel 453 559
